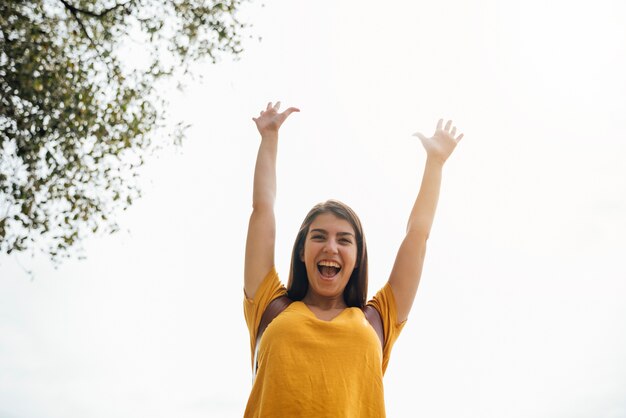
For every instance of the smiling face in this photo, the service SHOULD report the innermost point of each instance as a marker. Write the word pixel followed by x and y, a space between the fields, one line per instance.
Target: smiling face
pixel 330 255
pixel 351 276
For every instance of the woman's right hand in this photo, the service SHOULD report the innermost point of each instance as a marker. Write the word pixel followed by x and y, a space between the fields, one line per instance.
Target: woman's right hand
pixel 269 120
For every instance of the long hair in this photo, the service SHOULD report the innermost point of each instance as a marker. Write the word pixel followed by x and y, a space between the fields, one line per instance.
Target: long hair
pixel 355 292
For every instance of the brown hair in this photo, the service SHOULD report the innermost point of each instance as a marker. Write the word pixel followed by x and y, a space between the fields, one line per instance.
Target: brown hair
pixel 355 292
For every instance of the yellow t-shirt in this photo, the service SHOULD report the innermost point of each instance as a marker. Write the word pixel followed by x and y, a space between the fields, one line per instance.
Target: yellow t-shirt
pixel 309 367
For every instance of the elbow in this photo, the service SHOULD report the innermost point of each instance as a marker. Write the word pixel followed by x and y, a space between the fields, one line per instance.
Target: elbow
pixel 263 205
pixel 418 234
pixel 262 210
pixel 419 228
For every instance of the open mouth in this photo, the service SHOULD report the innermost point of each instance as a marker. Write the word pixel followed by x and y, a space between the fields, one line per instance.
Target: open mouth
pixel 328 269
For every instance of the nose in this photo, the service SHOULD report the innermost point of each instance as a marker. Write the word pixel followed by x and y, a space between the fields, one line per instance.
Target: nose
pixel 331 247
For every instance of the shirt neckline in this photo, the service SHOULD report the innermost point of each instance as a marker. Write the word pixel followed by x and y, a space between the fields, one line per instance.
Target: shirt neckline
pixel 312 314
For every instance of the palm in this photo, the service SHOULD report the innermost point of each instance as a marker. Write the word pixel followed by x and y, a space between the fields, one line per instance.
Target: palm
pixel 270 120
pixel 442 143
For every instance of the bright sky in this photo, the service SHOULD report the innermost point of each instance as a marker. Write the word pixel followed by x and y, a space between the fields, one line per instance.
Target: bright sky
pixel 520 312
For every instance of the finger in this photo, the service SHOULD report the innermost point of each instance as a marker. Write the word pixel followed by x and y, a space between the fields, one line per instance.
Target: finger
pixel 254 119
pixel 459 138
pixel 453 131
pixel 448 125
pixel 439 124
pixel 277 106
pixel 290 111
pixel 261 113
pixel 269 106
pixel 420 136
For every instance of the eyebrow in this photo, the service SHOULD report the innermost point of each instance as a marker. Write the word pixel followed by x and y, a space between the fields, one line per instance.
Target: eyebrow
pixel 326 232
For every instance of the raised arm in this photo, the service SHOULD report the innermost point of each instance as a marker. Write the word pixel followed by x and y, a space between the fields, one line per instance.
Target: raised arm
pixel 407 269
pixel 262 226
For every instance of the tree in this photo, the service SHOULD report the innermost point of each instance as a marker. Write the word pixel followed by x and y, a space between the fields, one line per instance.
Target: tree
pixel 76 119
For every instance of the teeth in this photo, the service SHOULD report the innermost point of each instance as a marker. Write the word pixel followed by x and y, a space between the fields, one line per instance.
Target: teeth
pixel 329 264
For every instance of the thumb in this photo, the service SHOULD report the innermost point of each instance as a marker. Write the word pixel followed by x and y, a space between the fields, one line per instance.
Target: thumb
pixel 420 136
pixel 290 111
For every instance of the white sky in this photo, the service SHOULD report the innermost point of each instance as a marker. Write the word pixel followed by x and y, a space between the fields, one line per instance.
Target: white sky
pixel 520 311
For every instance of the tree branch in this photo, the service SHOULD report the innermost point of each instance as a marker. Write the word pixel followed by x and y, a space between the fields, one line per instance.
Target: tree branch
pixel 103 13
pixel 74 11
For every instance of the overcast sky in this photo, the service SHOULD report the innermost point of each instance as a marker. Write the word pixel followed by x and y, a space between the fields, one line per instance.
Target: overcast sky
pixel 521 310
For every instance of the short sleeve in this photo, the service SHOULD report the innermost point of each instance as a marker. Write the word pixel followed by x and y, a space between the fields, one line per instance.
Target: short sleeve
pixel 253 309
pixel 385 303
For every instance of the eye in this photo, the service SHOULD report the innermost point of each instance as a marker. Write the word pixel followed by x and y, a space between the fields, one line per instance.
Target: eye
pixel 345 241
pixel 317 237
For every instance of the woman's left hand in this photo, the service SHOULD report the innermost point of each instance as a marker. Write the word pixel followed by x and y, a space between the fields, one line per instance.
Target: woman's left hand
pixel 442 143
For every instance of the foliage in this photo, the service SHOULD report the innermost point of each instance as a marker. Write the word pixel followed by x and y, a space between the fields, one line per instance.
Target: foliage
pixel 78 112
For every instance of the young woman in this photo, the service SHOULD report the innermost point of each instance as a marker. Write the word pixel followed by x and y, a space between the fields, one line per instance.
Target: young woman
pixel 325 349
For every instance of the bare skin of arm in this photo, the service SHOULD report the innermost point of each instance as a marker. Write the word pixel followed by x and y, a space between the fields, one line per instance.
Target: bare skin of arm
pixel 261 238
pixel 407 269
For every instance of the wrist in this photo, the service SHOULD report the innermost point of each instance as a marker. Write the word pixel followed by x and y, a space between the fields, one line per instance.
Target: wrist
pixel 269 136
pixel 435 161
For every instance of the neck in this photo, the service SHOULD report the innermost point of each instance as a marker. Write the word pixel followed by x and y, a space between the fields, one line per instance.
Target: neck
pixel 324 302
